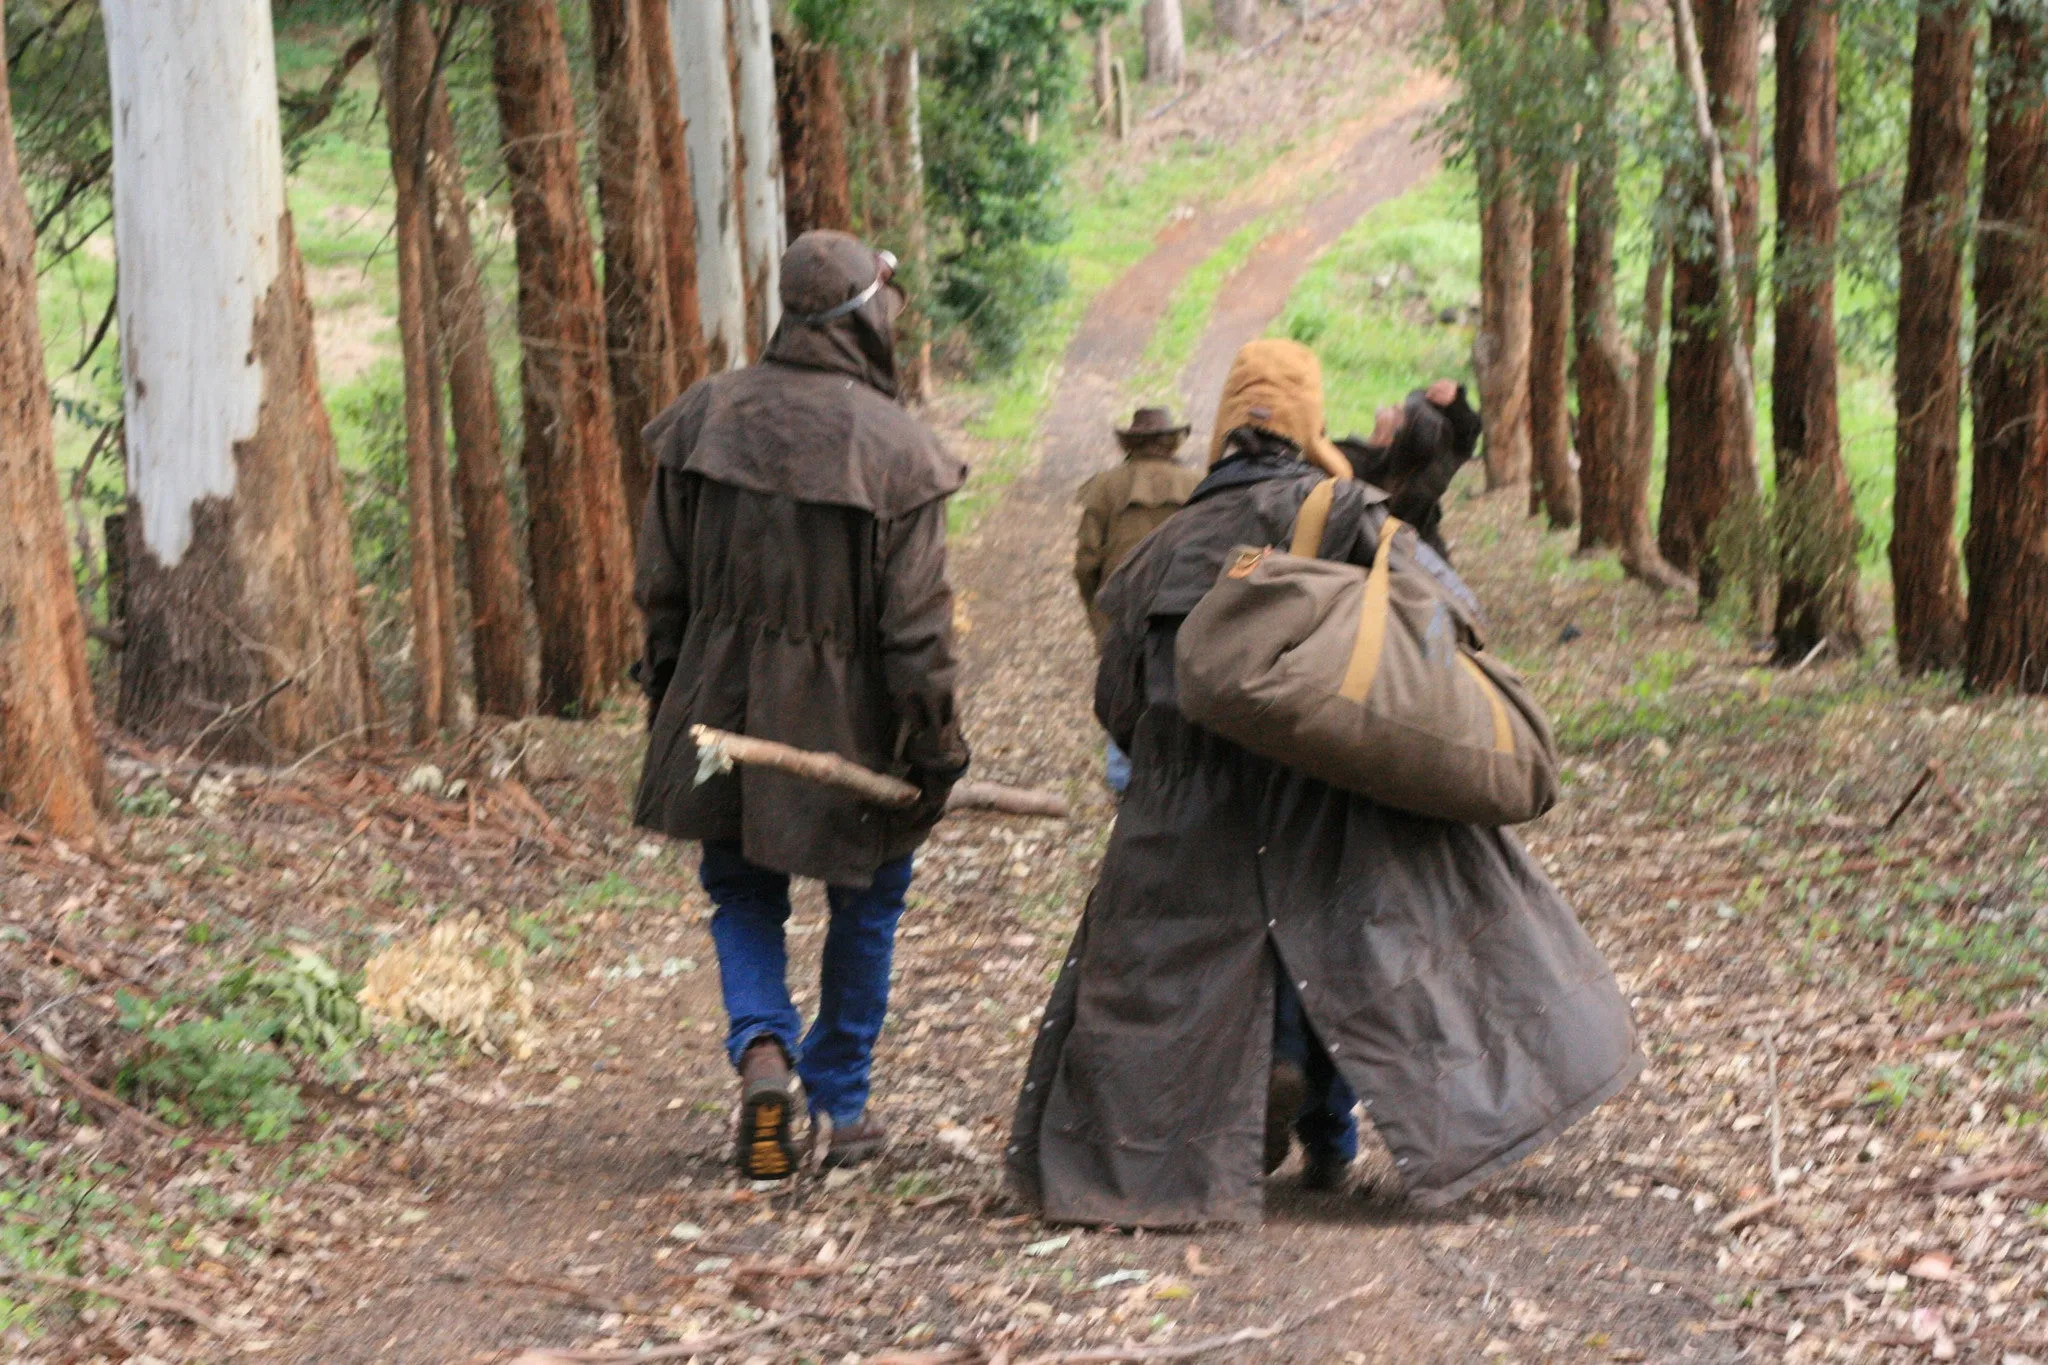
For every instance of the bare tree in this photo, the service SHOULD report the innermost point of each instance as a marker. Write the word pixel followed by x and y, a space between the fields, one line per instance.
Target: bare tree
pixel 1710 461
pixel 50 769
pixel 2008 542
pixel 1816 522
pixel 646 367
pixel 1553 484
pixel 1927 376
pixel 1166 43
pixel 697 31
pixel 582 571
pixel 408 70
pixel 243 629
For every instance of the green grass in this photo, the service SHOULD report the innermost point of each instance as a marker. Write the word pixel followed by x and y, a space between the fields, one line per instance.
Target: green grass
pixel 1368 306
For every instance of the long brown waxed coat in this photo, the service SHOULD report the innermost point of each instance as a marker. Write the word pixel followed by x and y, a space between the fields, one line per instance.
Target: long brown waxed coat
pixel 793 576
pixel 1119 508
pixel 1450 982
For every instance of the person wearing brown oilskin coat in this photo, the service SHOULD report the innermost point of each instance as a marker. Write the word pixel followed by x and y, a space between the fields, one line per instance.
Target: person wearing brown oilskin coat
pixel 792 573
pixel 1434 963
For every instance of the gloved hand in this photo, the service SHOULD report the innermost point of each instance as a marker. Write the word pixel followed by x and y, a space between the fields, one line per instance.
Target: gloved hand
pixel 933 787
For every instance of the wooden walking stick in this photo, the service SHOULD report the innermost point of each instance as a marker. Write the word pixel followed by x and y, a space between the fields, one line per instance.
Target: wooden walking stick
pixel 718 750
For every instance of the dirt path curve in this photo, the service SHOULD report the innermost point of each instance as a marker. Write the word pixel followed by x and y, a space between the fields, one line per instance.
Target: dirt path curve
pixel 1379 166
pixel 587 1195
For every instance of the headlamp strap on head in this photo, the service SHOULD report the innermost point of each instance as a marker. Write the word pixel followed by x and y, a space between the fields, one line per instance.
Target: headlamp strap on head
pixel 885 266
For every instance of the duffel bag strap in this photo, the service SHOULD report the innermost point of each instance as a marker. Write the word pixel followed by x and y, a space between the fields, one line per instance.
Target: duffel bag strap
pixel 1372 617
pixel 1311 519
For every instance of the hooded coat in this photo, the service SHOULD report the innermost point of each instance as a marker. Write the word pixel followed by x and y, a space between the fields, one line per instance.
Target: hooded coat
pixel 792 573
pixel 1447 979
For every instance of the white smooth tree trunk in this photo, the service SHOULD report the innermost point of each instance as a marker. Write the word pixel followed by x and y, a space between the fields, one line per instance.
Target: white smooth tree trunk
pixel 198 192
pixel 244 630
pixel 1166 42
pixel 697 29
pixel 762 225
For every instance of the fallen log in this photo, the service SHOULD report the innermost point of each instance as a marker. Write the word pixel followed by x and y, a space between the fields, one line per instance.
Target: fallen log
pixel 718 750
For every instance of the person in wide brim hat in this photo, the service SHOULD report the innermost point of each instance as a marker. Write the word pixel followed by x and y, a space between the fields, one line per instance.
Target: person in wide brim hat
pixel 1151 429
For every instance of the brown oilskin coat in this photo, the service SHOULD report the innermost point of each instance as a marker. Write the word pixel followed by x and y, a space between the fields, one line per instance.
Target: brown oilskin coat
pixel 793 575
pixel 1119 508
pixel 1450 983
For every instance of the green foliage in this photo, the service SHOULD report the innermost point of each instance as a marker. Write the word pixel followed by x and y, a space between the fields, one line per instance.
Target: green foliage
pixel 231 1054
pixel 1891 1088
pixel 992 187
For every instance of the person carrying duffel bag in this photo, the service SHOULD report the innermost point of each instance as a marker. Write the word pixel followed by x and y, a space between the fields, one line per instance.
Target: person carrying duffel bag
pixel 1262 921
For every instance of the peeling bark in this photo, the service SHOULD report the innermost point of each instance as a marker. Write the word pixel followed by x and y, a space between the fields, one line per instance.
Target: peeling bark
pixel 2007 547
pixel 812 99
pixel 582 570
pixel 1927 579
pixel 646 370
pixel 1600 370
pixel 1816 515
pixel 244 633
pixel 51 775
pixel 1710 461
pixel 408 66
pixel 1500 351
pixel 1553 484
pixel 678 212
pixel 497 592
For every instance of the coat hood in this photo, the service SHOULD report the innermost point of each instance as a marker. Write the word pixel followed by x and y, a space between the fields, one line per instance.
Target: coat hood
pixel 823 272
pixel 1276 386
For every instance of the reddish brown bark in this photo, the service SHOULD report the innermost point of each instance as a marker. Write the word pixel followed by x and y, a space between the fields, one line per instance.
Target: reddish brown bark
pixel 578 542
pixel 497 593
pixel 1927 588
pixel 1817 531
pixel 1639 553
pixel 812 115
pixel 408 72
pixel 1600 369
pixel 2008 541
pixel 678 211
pixel 1553 485
pixel 1711 454
pixel 1500 352
pixel 50 768
pixel 646 371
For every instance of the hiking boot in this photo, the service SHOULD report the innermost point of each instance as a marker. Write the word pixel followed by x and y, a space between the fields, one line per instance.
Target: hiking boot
pixel 1324 1169
pixel 767 1150
pixel 859 1141
pixel 1286 1092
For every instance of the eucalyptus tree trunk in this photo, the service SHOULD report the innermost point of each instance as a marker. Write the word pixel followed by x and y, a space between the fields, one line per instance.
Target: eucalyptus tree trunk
pixel 1500 350
pixel 811 100
pixel 1710 463
pixel 50 770
pixel 697 30
pixel 1600 368
pixel 1238 20
pixel 2007 548
pixel 1816 516
pixel 580 548
pixel 497 592
pixel 760 169
pixel 1553 483
pixel 243 629
pixel 1927 376
pixel 646 369
pixel 1166 43
pixel 408 71
pixel 913 329
pixel 678 212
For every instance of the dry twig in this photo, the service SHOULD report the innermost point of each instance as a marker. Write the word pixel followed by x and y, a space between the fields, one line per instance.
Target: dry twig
pixel 99 1098
pixel 720 750
pixel 1111 1355
pixel 1748 1213
pixel 154 1303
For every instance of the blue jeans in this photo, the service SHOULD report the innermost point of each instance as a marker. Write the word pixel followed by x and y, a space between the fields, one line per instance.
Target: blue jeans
pixel 752 904
pixel 1116 769
pixel 1327 1122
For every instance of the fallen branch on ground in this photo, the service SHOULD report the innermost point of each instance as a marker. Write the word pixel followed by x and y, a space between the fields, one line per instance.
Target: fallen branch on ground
pixel 1111 1355
pixel 1748 1213
pixel 99 1098
pixel 191 1312
pixel 718 750
pixel 675 1350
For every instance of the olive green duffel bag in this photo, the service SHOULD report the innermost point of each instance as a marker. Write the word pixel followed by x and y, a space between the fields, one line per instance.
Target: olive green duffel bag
pixel 1374 681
